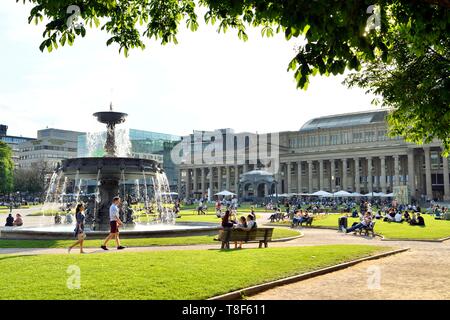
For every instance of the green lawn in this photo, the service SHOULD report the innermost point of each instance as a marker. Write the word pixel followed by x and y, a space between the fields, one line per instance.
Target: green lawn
pixel 434 229
pixel 278 233
pixel 192 274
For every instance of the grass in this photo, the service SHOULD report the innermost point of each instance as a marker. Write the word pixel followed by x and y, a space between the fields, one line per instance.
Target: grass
pixel 278 233
pixel 174 275
pixel 434 229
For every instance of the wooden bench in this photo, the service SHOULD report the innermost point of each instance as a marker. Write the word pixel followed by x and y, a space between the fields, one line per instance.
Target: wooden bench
pixel 308 221
pixel 366 230
pixel 262 235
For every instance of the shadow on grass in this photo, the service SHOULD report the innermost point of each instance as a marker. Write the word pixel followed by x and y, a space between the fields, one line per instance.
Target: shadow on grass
pixel 12 256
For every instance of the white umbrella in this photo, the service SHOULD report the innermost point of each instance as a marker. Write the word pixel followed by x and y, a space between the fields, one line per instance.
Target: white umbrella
pixel 356 194
pixel 389 195
pixel 169 194
pixel 225 193
pixel 322 193
pixel 342 193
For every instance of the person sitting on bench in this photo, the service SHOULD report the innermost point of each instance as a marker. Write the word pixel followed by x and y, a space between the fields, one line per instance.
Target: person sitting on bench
pixel 241 225
pixel 298 216
pixel 251 224
pixel 363 224
pixel 276 215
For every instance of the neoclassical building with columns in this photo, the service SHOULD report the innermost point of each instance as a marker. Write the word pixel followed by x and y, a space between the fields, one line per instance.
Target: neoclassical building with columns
pixel 349 152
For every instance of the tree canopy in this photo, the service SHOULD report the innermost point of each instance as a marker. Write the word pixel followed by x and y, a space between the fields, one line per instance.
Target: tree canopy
pixel 6 168
pixel 339 35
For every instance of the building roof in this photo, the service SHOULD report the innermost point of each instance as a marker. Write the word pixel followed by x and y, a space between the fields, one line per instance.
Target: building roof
pixel 345 120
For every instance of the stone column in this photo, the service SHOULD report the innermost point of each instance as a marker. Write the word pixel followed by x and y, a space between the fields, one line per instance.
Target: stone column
pixel 299 177
pixel 428 172
pixel 383 174
pixel 203 175
pixel 227 178
pixel 195 188
pixel 188 183
pixel 411 175
pixel 219 179
pixel 288 177
pixel 180 175
pixel 369 174
pixel 278 179
pixel 332 175
pixel 310 176
pixel 211 181
pixel 236 178
pixel 446 179
pixel 357 176
pixel 344 175
pixel 321 184
pixel 396 170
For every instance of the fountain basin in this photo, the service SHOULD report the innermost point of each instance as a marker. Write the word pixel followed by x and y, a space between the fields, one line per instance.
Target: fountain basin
pixel 65 232
pixel 110 117
pixel 110 168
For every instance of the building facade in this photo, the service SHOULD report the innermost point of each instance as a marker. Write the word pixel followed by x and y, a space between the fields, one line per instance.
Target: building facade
pixel 350 152
pixel 13 142
pixel 50 148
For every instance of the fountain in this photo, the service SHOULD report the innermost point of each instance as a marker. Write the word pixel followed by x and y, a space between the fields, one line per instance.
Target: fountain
pixel 110 174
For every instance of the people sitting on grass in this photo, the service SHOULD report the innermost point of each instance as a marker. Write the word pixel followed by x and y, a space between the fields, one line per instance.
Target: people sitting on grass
pixel 398 217
pixel 18 222
pixel 378 215
pixel 417 220
pixel 365 222
pixel 9 221
pixel 407 217
pixel 390 216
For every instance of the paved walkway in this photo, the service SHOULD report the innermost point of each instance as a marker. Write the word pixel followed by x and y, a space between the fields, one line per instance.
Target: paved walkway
pixel 420 273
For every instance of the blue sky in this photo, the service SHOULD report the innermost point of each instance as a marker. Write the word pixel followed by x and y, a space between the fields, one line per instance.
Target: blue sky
pixel 207 81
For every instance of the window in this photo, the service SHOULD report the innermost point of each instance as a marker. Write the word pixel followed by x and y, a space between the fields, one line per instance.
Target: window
pixel 357 136
pixel 435 160
pixel 369 136
pixel 382 135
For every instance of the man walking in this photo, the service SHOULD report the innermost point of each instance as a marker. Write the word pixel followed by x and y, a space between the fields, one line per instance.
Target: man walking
pixel 115 222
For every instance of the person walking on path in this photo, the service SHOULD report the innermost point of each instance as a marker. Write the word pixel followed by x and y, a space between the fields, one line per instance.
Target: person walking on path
pixel 114 222
pixel 79 229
